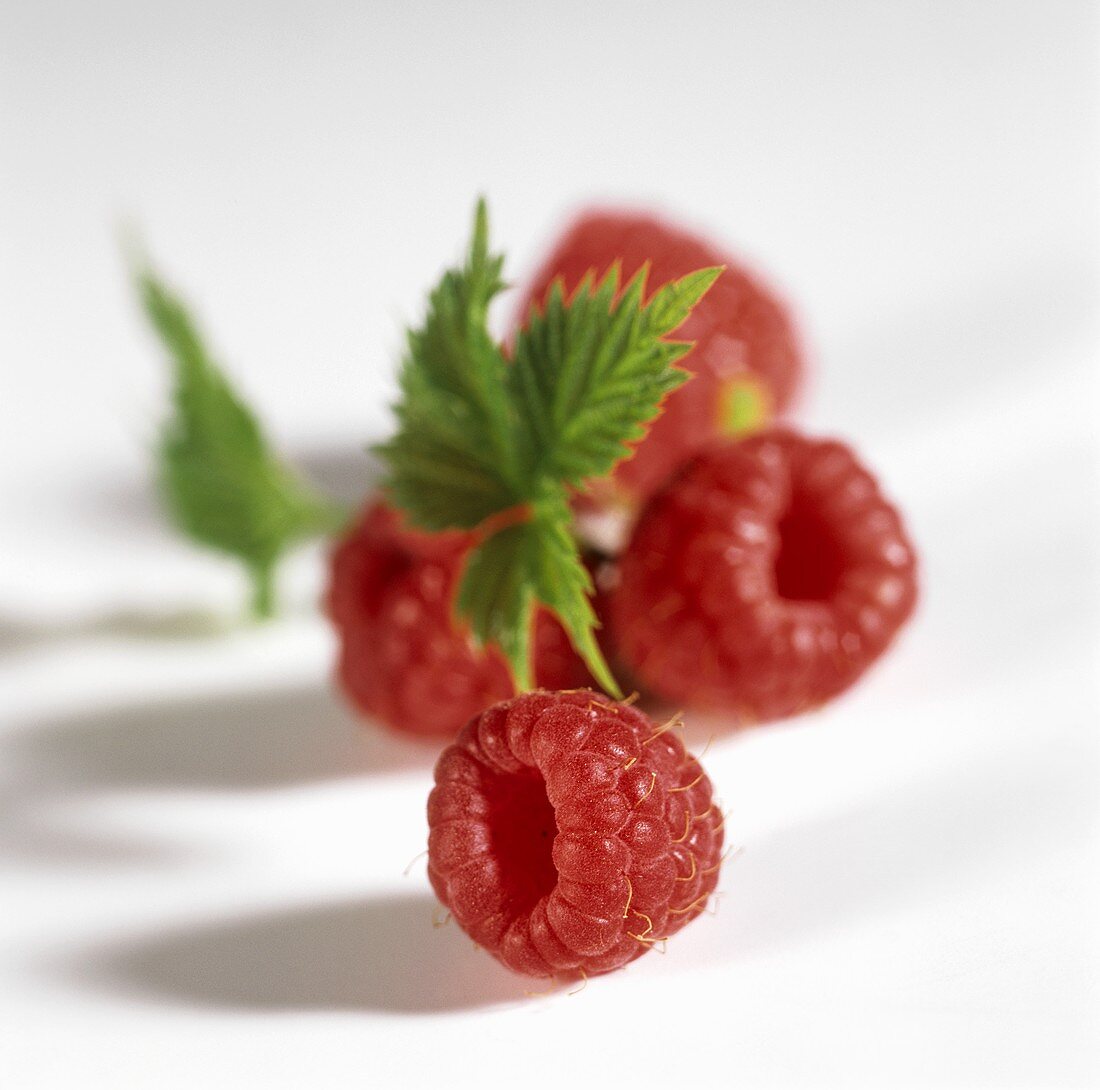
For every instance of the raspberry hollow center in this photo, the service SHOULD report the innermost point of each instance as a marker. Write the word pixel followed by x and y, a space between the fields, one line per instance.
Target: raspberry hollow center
pixel 809 564
pixel 523 831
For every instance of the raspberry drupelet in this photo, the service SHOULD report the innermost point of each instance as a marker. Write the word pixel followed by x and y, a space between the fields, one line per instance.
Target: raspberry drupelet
pixel 745 342
pixel 403 658
pixel 569 833
pixel 763 579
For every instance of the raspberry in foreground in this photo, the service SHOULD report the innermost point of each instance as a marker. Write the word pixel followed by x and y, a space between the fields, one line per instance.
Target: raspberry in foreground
pixel 569 833
pixel 746 358
pixel 403 658
pixel 763 579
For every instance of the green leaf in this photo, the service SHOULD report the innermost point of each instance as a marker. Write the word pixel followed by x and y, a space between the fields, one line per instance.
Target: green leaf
pixel 590 372
pixel 673 302
pixel 222 484
pixel 520 566
pixel 478 435
pixel 453 461
pixel 496 596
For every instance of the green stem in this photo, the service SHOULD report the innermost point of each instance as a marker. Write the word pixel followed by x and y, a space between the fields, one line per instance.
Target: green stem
pixel 263 592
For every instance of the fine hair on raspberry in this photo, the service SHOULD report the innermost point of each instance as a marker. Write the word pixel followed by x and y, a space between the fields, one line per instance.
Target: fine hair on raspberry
pixel 569 833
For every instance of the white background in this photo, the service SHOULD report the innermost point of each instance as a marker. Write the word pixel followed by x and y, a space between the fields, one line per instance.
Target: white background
pixel 203 854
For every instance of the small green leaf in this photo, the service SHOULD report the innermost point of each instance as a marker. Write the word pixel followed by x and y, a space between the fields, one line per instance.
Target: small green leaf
pixel 672 303
pixel 590 372
pixel 563 585
pixel 497 597
pixel 453 461
pixel 517 568
pixel 222 484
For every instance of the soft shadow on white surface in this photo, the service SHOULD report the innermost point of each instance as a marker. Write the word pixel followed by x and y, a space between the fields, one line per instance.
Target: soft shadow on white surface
pixel 1014 587
pixel 383 954
pixel 345 473
pixel 934 838
pixel 18 633
pixel 375 954
pixel 62 840
pixel 913 365
pixel 251 741
pixel 265 739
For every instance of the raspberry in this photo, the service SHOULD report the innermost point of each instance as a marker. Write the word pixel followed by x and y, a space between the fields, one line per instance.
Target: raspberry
pixel 763 579
pixel 402 658
pixel 569 833
pixel 745 343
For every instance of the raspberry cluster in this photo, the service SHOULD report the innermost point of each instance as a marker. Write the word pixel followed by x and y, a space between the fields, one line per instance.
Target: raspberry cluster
pixel 758 576
pixel 760 573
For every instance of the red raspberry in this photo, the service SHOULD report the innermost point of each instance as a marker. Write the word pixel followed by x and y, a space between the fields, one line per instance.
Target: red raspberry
pixel 744 338
pixel 402 658
pixel 569 833
pixel 764 579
